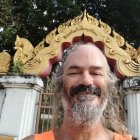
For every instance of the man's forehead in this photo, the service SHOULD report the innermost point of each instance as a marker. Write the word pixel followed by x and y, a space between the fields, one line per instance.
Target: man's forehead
pixel 86 49
pixel 86 52
pixel 86 46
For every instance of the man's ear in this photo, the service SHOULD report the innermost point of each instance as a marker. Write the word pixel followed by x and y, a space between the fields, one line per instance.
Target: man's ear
pixel 29 138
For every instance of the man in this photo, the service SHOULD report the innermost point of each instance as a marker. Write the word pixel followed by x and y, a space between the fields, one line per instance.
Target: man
pixel 88 97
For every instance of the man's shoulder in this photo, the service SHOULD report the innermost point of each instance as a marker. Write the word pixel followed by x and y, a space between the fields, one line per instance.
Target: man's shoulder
pixel 123 137
pixel 42 136
pixel 29 138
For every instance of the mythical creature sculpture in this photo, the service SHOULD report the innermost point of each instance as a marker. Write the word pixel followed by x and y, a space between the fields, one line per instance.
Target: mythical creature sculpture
pixel 25 50
pixel 5 59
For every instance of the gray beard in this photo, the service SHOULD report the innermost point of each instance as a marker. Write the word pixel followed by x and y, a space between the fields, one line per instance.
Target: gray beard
pixel 85 113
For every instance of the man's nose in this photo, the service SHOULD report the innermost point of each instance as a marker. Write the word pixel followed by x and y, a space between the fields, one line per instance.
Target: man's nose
pixel 86 79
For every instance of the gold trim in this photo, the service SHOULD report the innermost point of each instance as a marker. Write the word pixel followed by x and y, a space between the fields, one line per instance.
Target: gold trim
pixel 6 138
pixel 39 60
pixel 5 59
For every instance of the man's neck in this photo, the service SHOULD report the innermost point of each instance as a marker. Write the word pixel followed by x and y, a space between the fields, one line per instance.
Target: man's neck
pixel 68 131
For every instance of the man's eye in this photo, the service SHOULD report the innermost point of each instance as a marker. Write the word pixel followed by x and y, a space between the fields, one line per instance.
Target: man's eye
pixel 96 74
pixel 73 73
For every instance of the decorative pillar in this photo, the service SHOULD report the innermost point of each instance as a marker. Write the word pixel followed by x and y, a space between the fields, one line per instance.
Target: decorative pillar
pixel 18 105
pixel 131 86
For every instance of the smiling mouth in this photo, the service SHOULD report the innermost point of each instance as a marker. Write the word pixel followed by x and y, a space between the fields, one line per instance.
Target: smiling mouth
pixel 83 90
pixel 83 98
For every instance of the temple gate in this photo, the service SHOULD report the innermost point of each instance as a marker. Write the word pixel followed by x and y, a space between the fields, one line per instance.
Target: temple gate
pixel 123 58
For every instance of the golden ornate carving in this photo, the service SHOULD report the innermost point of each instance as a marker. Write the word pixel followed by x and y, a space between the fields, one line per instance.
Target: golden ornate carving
pixel 119 39
pixel 105 27
pixel 51 36
pixel 5 59
pixel 131 51
pixel 39 47
pixel 138 58
pixel 39 60
pixel 2 137
pixel 90 19
pixel 24 50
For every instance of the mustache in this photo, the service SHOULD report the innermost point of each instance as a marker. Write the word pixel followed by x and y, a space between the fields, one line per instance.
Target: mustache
pixel 88 89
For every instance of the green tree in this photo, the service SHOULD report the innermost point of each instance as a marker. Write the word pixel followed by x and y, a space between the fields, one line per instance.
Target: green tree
pixel 34 19
pixel 124 17
pixel 7 28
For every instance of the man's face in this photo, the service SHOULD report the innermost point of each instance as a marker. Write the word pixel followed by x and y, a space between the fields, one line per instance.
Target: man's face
pixel 85 84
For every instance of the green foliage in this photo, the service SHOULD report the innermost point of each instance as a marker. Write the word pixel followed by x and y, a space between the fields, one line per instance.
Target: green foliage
pixel 8 34
pixel 34 19
pixel 16 68
pixel 124 17
pixel 7 29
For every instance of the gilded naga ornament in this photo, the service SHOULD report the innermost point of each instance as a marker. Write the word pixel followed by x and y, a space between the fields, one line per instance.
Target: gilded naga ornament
pixel 39 60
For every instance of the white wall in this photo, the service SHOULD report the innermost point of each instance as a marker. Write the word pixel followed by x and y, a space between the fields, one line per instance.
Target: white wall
pixel 131 86
pixel 19 108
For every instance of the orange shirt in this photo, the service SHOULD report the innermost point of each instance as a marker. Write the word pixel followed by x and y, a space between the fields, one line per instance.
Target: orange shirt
pixel 45 136
pixel 50 136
